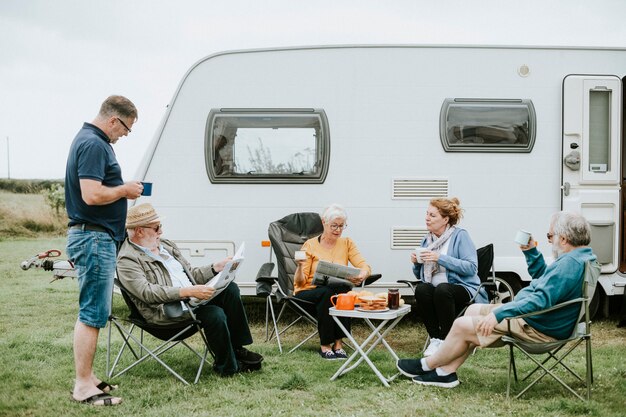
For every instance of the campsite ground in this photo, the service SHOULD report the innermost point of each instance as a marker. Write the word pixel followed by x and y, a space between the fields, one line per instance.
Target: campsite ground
pixel 37 317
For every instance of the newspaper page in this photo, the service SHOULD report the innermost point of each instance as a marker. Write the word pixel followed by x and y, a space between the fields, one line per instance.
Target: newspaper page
pixel 224 277
pixel 328 272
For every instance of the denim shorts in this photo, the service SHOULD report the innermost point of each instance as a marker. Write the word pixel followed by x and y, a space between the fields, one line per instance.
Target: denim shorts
pixel 93 254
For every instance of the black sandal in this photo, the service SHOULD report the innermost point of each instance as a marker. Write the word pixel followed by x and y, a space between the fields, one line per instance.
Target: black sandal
pixel 105 398
pixel 102 386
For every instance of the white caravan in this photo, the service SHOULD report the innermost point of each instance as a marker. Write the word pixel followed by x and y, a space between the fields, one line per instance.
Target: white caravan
pixel 516 133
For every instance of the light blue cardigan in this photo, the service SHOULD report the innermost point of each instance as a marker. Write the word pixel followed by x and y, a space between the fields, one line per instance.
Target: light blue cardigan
pixel 461 264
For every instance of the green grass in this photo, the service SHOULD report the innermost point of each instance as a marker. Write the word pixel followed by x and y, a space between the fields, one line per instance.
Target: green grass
pixel 28 215
pixel 37 318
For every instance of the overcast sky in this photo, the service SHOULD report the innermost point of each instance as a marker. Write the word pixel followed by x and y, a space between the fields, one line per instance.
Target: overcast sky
pixel 59 59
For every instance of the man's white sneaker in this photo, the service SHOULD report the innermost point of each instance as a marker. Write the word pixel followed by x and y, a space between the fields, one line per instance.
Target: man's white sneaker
pixel 432 347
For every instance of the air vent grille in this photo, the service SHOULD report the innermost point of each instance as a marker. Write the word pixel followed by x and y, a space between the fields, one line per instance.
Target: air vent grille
pixel 414 188
pixel 407 237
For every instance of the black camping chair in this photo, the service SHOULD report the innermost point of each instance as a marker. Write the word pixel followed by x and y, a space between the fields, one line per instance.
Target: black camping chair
pixel 497 289
pixel 287 236
pixel 169 335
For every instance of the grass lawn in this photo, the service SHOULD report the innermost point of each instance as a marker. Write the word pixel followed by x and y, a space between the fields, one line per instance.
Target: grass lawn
pixel 37 318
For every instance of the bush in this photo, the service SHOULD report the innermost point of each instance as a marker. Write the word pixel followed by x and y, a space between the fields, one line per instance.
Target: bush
pixel 55 197
pixel 28 186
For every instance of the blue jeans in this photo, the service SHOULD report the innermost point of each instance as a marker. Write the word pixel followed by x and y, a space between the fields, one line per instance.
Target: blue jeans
pixel 94 256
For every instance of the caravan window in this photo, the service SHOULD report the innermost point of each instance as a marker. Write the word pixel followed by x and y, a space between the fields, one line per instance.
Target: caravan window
pixel 267 146
pixel 479 125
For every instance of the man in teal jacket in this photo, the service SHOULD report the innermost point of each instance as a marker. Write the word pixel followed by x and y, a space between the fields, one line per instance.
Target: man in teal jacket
pixel 483 324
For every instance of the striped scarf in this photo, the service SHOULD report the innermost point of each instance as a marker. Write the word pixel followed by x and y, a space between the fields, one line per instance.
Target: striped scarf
pixel 434 244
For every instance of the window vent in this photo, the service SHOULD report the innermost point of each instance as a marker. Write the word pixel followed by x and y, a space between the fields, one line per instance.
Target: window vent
pixel 407 237
pixel 413 188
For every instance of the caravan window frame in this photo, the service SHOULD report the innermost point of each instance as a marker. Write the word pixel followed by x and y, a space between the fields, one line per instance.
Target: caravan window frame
pixel 222 125
pixel 505 131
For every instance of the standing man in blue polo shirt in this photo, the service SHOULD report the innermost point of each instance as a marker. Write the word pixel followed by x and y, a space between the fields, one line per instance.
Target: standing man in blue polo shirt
pixel 96 202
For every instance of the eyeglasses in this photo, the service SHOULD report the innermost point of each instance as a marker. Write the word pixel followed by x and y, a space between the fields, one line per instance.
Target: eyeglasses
pixel 157 228
pixel 123 124
pixel 338 226
pixel 549 235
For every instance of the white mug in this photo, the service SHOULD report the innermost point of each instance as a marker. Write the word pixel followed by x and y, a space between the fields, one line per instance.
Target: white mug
pixel 522 237
pixel 418 251
pixel 300 255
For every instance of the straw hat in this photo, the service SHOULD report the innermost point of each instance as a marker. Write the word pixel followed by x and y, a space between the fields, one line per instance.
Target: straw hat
pixel 142 215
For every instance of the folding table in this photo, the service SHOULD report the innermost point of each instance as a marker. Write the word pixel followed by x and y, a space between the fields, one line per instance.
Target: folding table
pixel 388 320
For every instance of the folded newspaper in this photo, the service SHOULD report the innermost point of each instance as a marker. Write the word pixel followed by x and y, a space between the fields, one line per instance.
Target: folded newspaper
pixel 224 277
pixel 328 273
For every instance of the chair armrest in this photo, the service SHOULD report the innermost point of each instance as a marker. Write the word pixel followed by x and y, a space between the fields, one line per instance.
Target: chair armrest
pixel 409 283
pixel 269 280
pixel 485 284
pixel 371 279
pixel 554 307
pixel 265 270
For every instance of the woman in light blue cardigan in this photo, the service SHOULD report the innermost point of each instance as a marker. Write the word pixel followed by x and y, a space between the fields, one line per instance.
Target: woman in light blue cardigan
pixel 447 269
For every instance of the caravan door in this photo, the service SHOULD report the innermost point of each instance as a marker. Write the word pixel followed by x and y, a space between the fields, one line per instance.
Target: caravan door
pixel 591 164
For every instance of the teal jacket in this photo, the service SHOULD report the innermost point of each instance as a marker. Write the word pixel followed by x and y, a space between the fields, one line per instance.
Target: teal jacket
pixel 561 281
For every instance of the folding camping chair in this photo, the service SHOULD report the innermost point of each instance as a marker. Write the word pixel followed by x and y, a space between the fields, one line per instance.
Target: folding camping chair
pixel 581 332
pixel 287 236
pixel 168 336
pixel 497 289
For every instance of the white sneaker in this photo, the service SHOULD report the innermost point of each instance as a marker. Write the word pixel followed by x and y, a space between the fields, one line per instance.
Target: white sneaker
pixel 432 347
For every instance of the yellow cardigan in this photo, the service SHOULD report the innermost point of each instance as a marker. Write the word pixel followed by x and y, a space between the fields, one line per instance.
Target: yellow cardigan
pixel 345 251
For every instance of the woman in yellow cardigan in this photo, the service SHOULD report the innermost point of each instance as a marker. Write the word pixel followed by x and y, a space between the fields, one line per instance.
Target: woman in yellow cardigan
pixel 331 247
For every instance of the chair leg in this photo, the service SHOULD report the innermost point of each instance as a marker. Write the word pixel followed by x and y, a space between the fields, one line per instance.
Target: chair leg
pixel 512 360
pixel 589 368
pixel 508 379
pixel 109 347
pixel 267 313
pixel 275 323
pixel 304 341
pixel 426 343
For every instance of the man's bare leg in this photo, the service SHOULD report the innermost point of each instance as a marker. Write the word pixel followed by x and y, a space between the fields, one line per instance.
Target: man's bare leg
pixel 85 343
pixel 456 347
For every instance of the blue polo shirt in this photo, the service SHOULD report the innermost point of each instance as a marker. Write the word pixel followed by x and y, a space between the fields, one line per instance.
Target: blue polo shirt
pixel 92 157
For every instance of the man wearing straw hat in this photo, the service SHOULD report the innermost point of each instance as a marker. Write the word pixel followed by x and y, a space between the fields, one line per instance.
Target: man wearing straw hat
pixel 155 273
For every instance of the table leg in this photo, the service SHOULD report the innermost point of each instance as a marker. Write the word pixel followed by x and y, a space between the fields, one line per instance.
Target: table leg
pixel 381 337
pixel 359 350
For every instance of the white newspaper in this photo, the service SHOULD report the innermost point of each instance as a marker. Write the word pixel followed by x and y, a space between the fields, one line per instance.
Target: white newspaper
pixel 328 272
pixel 224 277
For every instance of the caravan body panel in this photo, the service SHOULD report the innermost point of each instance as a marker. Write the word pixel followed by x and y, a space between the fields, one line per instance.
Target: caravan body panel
pixel 383 107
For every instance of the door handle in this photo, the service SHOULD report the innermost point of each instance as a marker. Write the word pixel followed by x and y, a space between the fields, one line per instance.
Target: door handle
pixel 565 188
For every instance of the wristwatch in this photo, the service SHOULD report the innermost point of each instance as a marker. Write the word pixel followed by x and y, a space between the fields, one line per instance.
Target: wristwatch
pixel 213 271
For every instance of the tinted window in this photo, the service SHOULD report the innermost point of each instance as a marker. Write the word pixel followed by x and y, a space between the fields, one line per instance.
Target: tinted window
pixel 474 125
pixel 267 146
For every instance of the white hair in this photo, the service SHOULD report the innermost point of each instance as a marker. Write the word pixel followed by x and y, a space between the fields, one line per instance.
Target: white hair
pixel 332 212
pixel 573 227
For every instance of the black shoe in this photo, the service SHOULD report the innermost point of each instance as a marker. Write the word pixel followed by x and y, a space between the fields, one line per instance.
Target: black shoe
pixel 225 374
pixel 248 367
pixel 432 378
pixel 247 357
pixel 328 355
pixel 241 367
pixel 622 323
pixel 410 367
pixel 340 354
